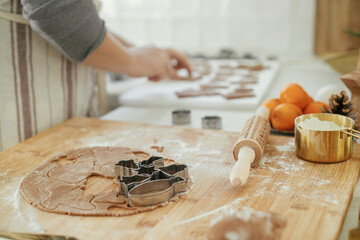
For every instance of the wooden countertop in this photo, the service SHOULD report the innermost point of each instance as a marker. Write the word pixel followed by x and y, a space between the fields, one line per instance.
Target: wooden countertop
pixel 313 197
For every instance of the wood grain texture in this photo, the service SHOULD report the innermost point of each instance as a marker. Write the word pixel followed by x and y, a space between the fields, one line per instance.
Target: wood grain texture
pixel 322 29
pixel 333 18
pixel 102 94
pixel 313 197
pixel 352 81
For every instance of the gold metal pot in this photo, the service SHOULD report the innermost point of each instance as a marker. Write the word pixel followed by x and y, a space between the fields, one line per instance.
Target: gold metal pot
pixel 325 146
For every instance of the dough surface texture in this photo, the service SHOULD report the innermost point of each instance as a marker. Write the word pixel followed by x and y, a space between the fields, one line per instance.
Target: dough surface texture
pixel 81 183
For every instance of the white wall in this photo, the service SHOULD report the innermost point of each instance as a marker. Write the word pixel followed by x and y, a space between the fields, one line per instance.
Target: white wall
pixel 280 27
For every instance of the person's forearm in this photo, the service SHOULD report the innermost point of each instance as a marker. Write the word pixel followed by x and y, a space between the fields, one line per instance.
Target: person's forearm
pixel 123 41
pixel 110 55
pixel 146 61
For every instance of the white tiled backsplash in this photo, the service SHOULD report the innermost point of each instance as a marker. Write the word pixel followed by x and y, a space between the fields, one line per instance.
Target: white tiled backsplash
pixel 279 27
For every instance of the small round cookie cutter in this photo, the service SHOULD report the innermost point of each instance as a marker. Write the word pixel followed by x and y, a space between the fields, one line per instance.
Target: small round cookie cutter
pixel 211 122
pixel 180 117
pixel 325 146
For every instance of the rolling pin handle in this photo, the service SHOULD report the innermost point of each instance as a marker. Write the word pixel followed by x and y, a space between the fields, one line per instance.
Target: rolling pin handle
pixel 263 111
pixel 240 171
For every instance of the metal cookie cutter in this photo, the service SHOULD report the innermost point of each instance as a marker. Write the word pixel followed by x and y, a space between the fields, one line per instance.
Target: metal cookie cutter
pixel 177 170
pixel 145 169
pixel 127 183
pixel 211 122
pixel 153 161
pixel 180 117
pixel 156 191
pixel 149 182
pixel 159 175
pixel 127 168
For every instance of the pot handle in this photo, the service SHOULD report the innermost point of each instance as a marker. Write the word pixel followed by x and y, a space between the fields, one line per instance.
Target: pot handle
pixel 351 132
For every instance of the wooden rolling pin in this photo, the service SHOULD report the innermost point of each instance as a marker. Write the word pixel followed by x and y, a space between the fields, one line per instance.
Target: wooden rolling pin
pixel 250 145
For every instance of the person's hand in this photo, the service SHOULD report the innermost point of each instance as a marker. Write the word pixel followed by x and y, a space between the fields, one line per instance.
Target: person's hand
pixel 148 61
pixel 117 56
pixel 179 61
pixel 156 63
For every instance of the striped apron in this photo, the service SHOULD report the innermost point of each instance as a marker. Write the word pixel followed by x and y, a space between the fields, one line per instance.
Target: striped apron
pixel 39 88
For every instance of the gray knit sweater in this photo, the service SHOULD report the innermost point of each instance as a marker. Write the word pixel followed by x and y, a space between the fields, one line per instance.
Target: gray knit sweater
pixel 71 26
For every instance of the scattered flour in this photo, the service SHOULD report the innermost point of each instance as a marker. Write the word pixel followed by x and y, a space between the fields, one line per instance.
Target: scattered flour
pixel 223 211
pixel 273 169
pixel 236 235
pixel 23 217
pixel 319 181
pixel 285 187
pixel 290 166
pixel 196 165
pixel 117 138
pixel 123 138
pixel 229 209
pixel 330 199
pixel 322 198
pixel 285 148
pixel 280 164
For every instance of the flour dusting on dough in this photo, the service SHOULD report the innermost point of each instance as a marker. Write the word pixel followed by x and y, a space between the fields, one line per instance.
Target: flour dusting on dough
pixel 60 184
pixel 24 218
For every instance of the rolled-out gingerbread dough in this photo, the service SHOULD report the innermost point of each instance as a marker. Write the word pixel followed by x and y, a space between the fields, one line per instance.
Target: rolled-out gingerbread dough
pixel 60 184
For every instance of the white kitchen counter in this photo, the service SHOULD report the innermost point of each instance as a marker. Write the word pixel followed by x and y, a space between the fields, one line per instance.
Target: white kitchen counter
pixel 162 94
pixel 231 120
pixel 311 74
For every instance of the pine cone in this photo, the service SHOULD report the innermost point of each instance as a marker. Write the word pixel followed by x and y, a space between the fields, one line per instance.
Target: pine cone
pixel 341 104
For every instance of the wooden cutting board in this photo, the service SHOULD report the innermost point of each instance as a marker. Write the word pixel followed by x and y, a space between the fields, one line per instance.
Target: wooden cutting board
pixel 313 197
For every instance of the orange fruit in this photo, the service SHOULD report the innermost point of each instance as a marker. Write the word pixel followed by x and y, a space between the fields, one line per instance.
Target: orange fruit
pixel 293 93
pixel 271 103
pixel 315 107
pixel 310 100
pixel 283 116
